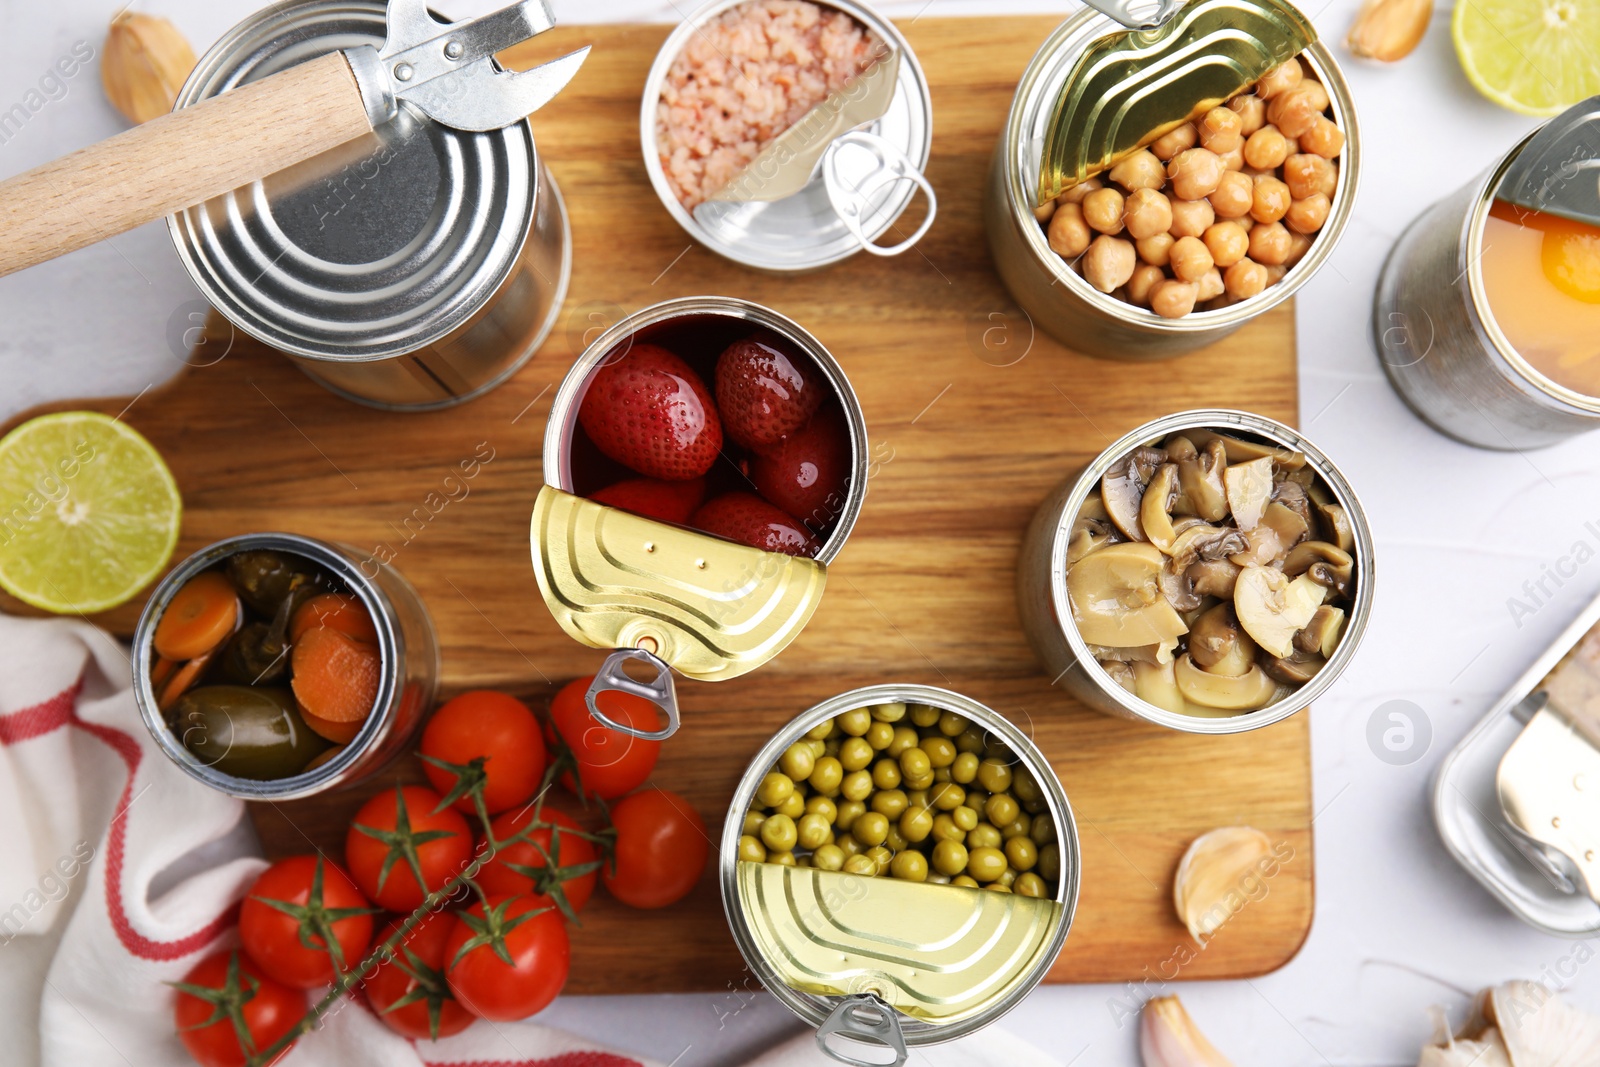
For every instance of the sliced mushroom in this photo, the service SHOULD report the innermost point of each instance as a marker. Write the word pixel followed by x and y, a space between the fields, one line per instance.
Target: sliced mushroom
pixel 1328 565
pixel 1155 517
pixel 1117 600
pixel 1292 495
pixel 1201 541
pixel 1122 488
pixel 1290 526
pixel 1262 546
pixel 1297 668
pixel 1135 654
pixel 1241 451
pixel 1156 684
pixel 1336 526
pixel 1205 605
pixel 1120 673
pixel 1179 590
pixel 1200 484
pixel 1249 491
pixel 1213 577
pixel 1245 692
pixel 1088 534
pixel 1093 508
pixel 1218 644
pixel 1322 633
pixel 1272 608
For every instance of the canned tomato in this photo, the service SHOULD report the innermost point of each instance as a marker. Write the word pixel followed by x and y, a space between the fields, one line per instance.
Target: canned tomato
pixel 244 692
pixel 686 532
pixel 864 182
pixel 1210 572
pixel 1052 288
pixel 851 934
pixel 1478 330
pixel 414 268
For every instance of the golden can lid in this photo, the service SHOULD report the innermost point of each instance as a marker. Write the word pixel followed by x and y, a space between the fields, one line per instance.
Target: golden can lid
pixel 1130 87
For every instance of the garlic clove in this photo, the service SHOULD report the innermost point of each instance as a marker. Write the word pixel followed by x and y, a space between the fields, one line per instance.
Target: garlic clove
pixel 143 65
pixel 1213 877
pixel 1169 1038
pixel 1388 30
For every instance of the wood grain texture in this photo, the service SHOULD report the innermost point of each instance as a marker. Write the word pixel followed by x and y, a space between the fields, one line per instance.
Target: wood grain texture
pixel 180 159
pixel 971 421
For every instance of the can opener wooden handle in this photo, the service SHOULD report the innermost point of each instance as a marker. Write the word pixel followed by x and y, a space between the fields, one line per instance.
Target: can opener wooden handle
pixel 445 70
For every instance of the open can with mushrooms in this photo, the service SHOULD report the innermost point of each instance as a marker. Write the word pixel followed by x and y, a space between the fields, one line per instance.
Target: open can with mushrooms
pixel 705 459
pixel 1210 572
pixel 899 867
pixel 1157 186
pixel 274 666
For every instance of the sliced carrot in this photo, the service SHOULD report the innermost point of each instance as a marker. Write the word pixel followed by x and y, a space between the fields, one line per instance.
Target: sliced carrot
pixel 160 671
pixel 199 617
pixel 337 611
pixel 184 677
pixel 340 733
pixel 333 675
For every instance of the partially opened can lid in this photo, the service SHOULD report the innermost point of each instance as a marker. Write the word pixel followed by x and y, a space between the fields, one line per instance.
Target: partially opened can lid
pixel 375 249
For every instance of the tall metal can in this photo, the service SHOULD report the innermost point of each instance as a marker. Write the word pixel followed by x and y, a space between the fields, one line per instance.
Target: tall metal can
pixel 408 652
pixel 889 963
pixel 1056 297
pixel 1440 345
pixel 414 268
pixel 1046 610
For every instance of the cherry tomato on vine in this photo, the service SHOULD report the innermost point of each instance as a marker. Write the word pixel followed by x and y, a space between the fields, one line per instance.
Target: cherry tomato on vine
pixel 535 940
pixel 554 864
pixel 486 737
pixel 299 900
pixel 400 848
pixel 224 986
pixel 408 990
pixel 660 850
pixel 610 762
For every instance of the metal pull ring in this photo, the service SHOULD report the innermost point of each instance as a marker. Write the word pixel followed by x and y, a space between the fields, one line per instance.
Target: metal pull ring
pixel 1126 12
pixel 849 185
pixel 863 1018
pixel 658 691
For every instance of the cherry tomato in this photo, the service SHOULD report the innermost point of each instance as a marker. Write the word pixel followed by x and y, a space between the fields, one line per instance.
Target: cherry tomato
pixel 660 851
pixel 550 873
pixel 408 990
pixel 610 762
pixel 536 941
pixel 299 900
pixel 399 849
pixel 220 983
pixel 496 738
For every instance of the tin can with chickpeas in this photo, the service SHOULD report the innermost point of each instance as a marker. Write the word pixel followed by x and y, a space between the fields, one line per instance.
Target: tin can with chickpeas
pixel 1210 572
pixel 899 867
pixel 1156 186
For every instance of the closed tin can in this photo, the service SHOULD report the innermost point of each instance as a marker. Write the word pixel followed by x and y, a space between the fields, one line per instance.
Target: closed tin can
pixel 668 597
pixel 886 962
pixel 1046 610
pixel 806 231
pixel 1056 297
pixel 415 268
pixel 408 677
pixel 1439 342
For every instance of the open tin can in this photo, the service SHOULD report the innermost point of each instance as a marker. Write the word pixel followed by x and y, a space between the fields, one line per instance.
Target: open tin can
pixel 408 654
pixel 885 962
pixel 660 595
pixel 414 268
pixel 1054 295
pixel 861 185
pixel 1046 608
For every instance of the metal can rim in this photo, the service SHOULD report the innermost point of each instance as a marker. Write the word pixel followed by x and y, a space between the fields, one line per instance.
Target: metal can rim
pixel 813 1008
pixel 564 408
pixel 1220 419
pixel 391 650
pixel 1019 201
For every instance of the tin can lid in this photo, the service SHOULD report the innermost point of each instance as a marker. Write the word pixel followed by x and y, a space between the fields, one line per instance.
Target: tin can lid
pixel 377 248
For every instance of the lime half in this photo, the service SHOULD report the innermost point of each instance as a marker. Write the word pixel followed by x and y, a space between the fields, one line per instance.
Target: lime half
pixel 88 512
pixel 1538 57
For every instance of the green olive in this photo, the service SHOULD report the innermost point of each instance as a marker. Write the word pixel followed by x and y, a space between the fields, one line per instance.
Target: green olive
pixel 909 867
pixel 860 864
pixel 857 785
pixel 848 811
pixel 1029 885
pixel 965 818
pixel 794 806
pixel 824 807
pixel 1022 853
pixel 986 864
pixel 890 802
pixel 871 829
pixel 923 715
pixel 916 824
pixel 984 836
pixel 947 796
pixel 964 769
pixel 813 831
pixel 798 761
pixel 774 789
pixel 888 712
pixel 782 859
pixel 257 655
pixel 752 822
pixel 951 724
pixel 855 753
pixel 826 776
pixel 886 774
pixel 1002 809
pixel 880 857
pixel 914 763
pixel 972 740
pixel 880 735
pixel 905 738
pixel 945 828
pixel 941 750
pixel 245 731
pixel 831 858
pixel 822 731
pixel 778 833
pixel 752 849
pixel 854 722
pixel 1043 830
pixel 265 579
pixel 896 840
pixel 965 880
pixel 1049 867
pixel 950 857
pixel 994 776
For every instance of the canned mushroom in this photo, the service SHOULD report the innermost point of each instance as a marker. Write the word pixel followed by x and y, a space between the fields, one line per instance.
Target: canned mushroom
pixel 1211 572
pixel 899 866
pixel 705 459
pixel 274 666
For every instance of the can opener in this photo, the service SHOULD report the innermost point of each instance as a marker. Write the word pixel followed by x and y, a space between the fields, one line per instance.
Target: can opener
pixel 447 71
pixel 1558 171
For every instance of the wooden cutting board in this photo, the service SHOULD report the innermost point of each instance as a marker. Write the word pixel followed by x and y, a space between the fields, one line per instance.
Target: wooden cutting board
pixel 972 418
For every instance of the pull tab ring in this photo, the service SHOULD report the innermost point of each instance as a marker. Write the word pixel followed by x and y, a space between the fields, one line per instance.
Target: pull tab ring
pixel 848 194
pixel 1123 12
pixel 658 691
pixel 864 1018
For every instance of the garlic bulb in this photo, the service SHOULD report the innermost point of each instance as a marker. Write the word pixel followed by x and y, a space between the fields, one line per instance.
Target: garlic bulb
pixel 1169 1038
pixel 144 64
pixel 1517 1024
pixel 1216 876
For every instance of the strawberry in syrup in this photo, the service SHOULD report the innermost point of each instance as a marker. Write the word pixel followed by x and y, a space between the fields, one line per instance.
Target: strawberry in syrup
pixel 749 520
pixel 763 395
pixel 655 499
pixel 648 410
pixel 808 473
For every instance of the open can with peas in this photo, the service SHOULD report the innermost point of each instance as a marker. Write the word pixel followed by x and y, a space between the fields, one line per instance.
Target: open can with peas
pixel 275 666
pixel 899 867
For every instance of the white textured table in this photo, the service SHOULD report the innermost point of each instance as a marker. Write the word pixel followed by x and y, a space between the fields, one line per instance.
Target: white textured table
pixel 1398 926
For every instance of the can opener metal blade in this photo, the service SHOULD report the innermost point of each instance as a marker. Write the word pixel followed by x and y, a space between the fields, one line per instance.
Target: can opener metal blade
pixel 1558 170
pixel 447 71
